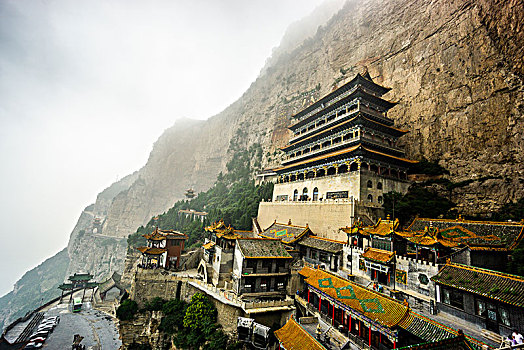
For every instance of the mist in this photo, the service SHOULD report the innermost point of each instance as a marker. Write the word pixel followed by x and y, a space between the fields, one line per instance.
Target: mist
pixel 86 87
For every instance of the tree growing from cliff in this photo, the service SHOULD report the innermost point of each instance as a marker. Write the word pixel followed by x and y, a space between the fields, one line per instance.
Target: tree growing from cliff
pixel 127 310
pixel 200 313
pixel 417 201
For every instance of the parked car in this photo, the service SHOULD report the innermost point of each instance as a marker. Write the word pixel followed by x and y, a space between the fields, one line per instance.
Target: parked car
pixel 42 334
pixel 37 339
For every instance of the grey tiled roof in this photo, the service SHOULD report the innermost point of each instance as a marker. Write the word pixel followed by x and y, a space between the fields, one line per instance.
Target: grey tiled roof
pixel 490 284
pixel 262 248
pixel 322 244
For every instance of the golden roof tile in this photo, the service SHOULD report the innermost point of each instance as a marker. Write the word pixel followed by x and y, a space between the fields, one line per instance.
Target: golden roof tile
pixel 293 337
pixel 379 255
pixel 373 305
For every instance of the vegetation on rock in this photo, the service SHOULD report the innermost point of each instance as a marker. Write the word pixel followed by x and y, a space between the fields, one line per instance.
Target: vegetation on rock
pixel 127 310
pixel 417 201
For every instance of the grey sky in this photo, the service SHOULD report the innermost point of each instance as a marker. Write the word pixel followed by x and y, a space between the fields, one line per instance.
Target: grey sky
pixel 86 87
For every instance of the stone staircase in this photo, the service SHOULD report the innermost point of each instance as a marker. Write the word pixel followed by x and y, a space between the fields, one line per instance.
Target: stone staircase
pixel 28 330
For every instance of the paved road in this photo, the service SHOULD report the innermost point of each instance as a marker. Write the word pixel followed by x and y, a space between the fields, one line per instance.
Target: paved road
pixel 97 328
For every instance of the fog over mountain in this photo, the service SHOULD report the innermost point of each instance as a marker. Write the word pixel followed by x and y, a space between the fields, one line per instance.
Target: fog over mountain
pixel 87 87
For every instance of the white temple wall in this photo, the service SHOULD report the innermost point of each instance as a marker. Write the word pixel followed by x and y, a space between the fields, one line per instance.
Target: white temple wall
pixel 323 218
pixel 345 182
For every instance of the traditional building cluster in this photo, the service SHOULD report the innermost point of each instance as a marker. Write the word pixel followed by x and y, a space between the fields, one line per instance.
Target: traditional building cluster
pixel 163 249
pixel 355 277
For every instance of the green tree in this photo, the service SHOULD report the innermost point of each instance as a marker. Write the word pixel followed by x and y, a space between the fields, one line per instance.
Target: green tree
pixel 127 310
pixel 417 201
pixel 200 312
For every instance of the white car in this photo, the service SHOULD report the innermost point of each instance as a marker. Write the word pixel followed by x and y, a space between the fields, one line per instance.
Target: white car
pixel 33 346
pixel 37 340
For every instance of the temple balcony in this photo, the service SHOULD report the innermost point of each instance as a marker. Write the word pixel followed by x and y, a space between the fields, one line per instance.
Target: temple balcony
pixel 320 150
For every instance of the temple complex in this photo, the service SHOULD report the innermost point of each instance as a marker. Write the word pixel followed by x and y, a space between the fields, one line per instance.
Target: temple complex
pixel 344 150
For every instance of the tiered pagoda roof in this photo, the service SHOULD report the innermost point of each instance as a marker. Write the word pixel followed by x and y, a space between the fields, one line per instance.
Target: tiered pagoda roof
pixel 487 283
pixel 363 80
pixel 357 105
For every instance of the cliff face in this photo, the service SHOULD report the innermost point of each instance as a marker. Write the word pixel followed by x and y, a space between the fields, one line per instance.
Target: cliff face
pixel 455 68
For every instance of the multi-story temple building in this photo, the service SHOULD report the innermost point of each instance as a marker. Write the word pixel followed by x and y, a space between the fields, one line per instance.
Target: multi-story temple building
pixel 343 149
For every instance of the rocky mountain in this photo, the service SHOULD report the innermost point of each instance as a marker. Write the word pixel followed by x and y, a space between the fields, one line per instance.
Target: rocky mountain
pixel 455 68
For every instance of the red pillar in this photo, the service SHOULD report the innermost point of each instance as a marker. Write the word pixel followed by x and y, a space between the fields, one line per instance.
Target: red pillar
pixel 308 292
pixel 369 331
pixel 359 329
pixel 319 303
pixel 333 321
pixel 394 345
pixel 349 323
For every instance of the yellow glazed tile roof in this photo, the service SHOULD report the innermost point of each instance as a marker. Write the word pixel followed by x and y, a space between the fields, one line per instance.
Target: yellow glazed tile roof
pixel 152 251
pixel 208 245
pixel 379 255
pixel 294 337
pixel 373 305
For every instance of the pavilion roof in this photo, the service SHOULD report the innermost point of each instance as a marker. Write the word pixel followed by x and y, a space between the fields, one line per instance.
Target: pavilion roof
pixel 381 228
pixel 262 248
pixel 216 226
pixel 161 235
pixel 378 255
pixel 320 243
pixel 495 285
pixel 294 337
pixel 80 277
pixel 373 305
pixel 478 235
pixel 152 251
pixel 286 232
pixel 208 245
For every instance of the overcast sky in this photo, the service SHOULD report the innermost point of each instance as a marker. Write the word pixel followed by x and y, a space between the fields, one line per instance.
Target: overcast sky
pixel 86 87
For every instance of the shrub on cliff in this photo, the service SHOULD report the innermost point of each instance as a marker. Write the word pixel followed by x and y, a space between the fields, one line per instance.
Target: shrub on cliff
pixel 200 312
pixel 127 310
pixel 174 311
pixel 155 304
pixel 417 201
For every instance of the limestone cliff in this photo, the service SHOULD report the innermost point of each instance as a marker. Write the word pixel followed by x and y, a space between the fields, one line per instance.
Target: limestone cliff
pixel 455 69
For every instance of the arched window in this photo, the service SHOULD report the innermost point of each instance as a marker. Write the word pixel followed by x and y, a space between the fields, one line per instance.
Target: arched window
pixel 304 194
pixel 315 194
pixel 370 198
pixel 370 184
pixel 379 199
pixel 295 195
pixel 379 185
